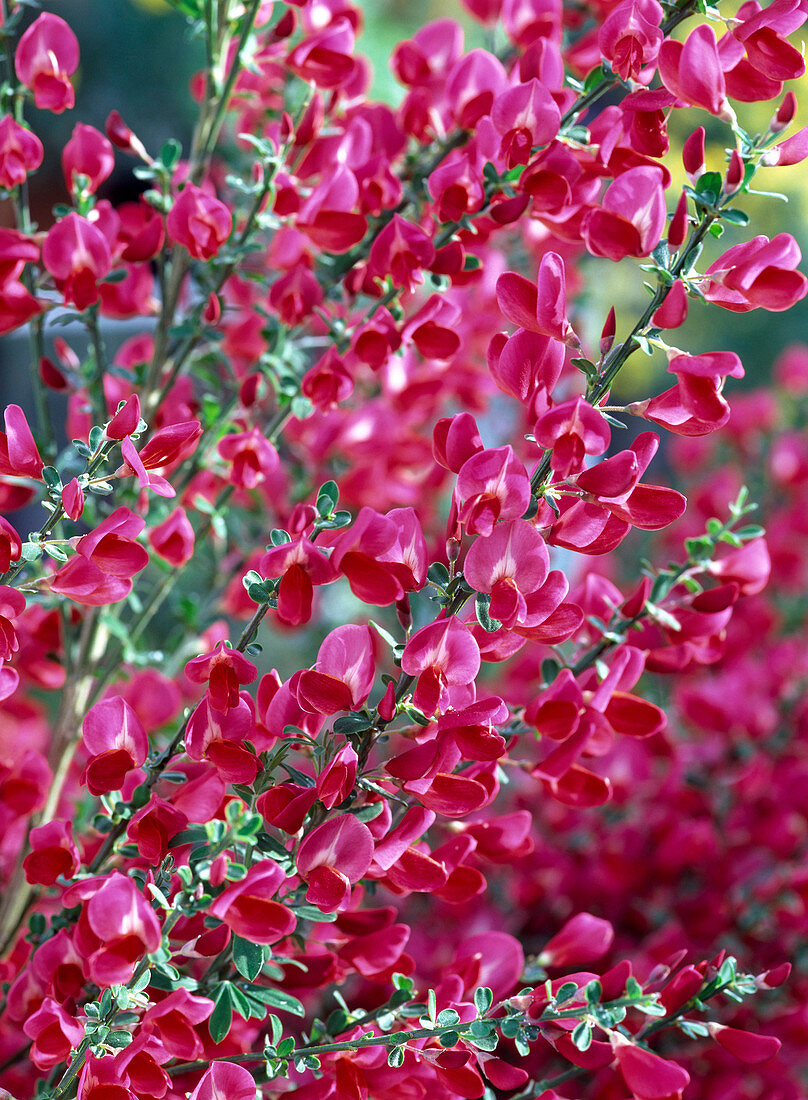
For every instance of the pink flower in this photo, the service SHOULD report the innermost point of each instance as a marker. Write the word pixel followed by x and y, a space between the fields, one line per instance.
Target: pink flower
pixel 572 430
pixel 511 564
pixel 116 741
pixel 54 1032
pixel 89 154
pixel 443 656
pixel 253 457
pixel 105 562
pixel 343 675
pixel 744 1045
pixel 116 929
pixel 583 939
pixel 631 218
pixel 648 1076
pixel 173 539
pixel 492 485
pixel 77 255
pixel 300 565
pixel 541 308
pixel 693 72
pixel 47 55
pixel 401 250
pixel 247 908
pixel 223 670
pixel 53 853
pixel 19 455
pixel 225 1081
pixel 199 221
pixel 630 37
pixel 331 858
pixel 20 153
pixel 757 274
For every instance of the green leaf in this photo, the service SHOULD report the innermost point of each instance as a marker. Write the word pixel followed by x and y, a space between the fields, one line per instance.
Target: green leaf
pixel 396 1057
pixel 248 958
pixel 735 217
pixel 483 999
pixel 447 1016
pixel 221 1019
pixel 593 992
pixel 277 998
pixel 582 1036
pixel 482 604
pixel 449 1039
pixel 432 1005
pixel 327 497
pixel 566 992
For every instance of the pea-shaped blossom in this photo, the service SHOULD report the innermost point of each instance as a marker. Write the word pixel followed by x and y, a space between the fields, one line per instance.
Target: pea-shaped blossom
pixel 47 56
pixel 223 670
pixel 20 152
pixel 117 927
pixel 539 307
pixel 572 430
pixel 492 485
pixel 300 565
pixel 116 741
pixel 53 853
pixel 693 71
pixel 343 674
pixel 19 455
pixel 631 218
pixel 331 858
pixel 248 909
pixel 253 458
pixel 225 1081
pixel 630 36
pixel 648 1076
pixel 199 221
pixel 77 255
pixel 88 154
pixel 444 656
pixel 757 274
pixel 511 563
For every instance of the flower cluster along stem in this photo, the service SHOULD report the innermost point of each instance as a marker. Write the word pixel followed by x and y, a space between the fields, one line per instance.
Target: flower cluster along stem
pixel 325 622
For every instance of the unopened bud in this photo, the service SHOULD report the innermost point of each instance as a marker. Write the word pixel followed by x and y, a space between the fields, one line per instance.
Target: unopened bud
pixel 734 174
pixel 693 154
pixel 677 231
pixel 785 114
pixel 123 138
pixel 607 333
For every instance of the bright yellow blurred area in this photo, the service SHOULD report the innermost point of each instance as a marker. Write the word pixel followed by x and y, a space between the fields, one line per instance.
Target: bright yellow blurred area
pixel 154 7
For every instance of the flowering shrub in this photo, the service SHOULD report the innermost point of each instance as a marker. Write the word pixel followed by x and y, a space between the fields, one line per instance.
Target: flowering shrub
pixel 320 665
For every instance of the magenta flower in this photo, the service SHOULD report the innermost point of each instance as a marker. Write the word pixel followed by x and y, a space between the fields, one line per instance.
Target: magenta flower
pixel 173 539
pixel 47 56
pixel 443 656
pixel 199 221
pixel 20 153
pixel 77 255
pixel 630 37
pixel 693 71
pixel 248 909
pixel 511 563
pixel 631 218
pixel 757 274
pixel 541 308
pixel 225 1081
pixel 223 670
pixel 343 675
pixel 331 858
pixel 89 154
pixel 492 485
pixel 116 741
